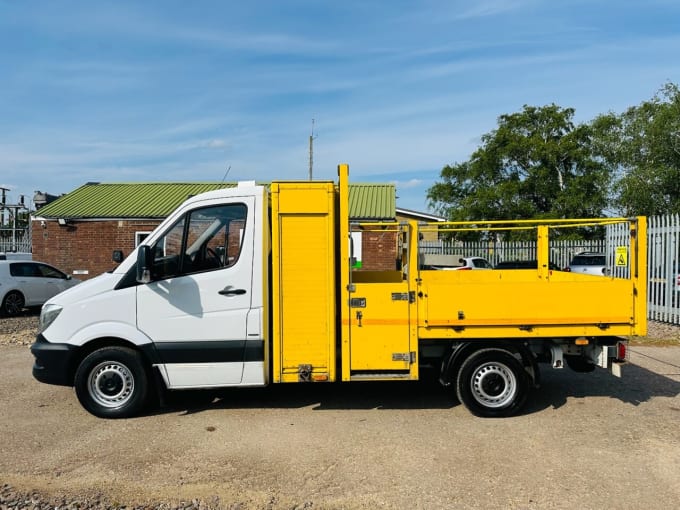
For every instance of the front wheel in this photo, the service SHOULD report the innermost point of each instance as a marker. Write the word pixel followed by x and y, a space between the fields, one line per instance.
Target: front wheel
pixel 492 383
pixel 112 382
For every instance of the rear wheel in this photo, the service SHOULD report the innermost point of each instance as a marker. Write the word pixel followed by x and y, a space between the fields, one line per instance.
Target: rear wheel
pixel 13 303
pixel 112 382
pixel 492 383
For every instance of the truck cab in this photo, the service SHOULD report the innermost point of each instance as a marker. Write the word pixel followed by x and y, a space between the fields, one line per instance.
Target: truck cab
pixel 194 317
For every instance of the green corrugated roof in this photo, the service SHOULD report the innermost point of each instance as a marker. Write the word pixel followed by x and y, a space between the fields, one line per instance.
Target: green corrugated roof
pixel 158 200
pixel 125 200
pixel 372 201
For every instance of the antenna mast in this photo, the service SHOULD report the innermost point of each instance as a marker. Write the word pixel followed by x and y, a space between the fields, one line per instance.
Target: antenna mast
pixel 225 174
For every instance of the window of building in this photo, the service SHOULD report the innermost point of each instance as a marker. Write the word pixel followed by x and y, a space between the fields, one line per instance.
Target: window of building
pixel 139 237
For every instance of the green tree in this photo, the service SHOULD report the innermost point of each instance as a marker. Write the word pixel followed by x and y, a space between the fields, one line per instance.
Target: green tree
pixel 536 164
pixel 644 143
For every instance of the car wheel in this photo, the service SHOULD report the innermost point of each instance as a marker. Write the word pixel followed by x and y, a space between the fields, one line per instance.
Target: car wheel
pixel 492 383
pixel 113 382
pixel 13 303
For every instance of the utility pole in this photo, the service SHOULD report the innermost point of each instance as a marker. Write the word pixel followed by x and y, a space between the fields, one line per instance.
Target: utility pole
pixel 2 206
pixel 311 151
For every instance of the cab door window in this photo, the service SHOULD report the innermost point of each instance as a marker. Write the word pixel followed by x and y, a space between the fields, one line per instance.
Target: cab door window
pixel 203 240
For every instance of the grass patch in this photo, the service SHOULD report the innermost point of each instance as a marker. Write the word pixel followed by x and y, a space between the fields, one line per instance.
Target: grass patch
pixel 655 342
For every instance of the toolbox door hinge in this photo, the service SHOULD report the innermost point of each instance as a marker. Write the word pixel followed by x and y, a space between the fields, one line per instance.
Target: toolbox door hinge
pixel 409 357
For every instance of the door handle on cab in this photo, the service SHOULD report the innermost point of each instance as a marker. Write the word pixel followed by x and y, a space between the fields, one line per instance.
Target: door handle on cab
pixel 230 291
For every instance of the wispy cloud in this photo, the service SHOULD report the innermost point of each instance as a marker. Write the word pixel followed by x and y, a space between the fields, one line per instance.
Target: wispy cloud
pixel 140 23
pixel 88 77
pixel 485 8
pixel 412 183
pixel 259 42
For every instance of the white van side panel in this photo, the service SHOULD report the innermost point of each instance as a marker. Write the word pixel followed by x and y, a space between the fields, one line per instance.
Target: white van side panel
pixel 93 309
pixel 183 376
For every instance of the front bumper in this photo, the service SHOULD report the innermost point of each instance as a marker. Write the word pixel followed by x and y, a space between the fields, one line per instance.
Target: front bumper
pixel 53 362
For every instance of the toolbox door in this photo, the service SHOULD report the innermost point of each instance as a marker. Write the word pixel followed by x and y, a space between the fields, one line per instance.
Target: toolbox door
pixel 381 305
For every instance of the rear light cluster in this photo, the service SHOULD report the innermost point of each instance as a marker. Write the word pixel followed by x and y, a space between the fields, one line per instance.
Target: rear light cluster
pixel 621 351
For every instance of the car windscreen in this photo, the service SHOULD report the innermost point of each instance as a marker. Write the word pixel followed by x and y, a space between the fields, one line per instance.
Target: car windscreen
pixel 481 263
pixel 589 260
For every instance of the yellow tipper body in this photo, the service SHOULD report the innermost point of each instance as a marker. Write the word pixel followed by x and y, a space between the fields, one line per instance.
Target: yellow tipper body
pixel 538 303
pixel 325 306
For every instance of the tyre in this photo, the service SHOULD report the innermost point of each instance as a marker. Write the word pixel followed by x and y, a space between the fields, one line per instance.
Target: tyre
pixel 13 303
pixel 113 382
pixel 492 383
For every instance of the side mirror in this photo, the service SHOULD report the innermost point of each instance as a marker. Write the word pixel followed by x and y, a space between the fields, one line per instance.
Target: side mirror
pixel 144 263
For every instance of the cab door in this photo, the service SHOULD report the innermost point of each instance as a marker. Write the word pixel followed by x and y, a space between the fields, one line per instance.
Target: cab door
pixel 198 305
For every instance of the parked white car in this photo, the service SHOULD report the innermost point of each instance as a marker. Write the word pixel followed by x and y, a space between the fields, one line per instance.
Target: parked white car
pixel 24 283
pixel 589 263
pixel 469 263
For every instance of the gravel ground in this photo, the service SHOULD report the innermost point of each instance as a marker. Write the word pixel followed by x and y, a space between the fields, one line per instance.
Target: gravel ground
pixel 13 499
pixel 20 331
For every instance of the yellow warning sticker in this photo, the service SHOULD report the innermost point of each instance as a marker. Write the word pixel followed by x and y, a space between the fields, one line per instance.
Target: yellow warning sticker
pixel 621 255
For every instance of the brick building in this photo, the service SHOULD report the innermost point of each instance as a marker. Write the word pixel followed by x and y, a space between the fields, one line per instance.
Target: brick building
pixel 79 232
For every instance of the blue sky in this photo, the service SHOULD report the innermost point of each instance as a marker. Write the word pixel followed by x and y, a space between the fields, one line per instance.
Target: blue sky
pixel 127 91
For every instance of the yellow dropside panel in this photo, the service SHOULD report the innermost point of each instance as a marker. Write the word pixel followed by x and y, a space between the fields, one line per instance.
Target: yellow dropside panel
pixel 542 302
pixel 521 303
pixel 303 286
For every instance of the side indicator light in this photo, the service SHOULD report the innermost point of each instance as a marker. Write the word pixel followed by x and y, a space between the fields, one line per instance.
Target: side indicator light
pixel 320 377
pixel 582 341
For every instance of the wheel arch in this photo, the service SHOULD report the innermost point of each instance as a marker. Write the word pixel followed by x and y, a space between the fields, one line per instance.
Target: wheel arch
pixel 460 351
pixel 147 352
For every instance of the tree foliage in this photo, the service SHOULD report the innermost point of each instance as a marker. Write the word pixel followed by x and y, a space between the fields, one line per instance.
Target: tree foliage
pixel 536 164
pixel 644 143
